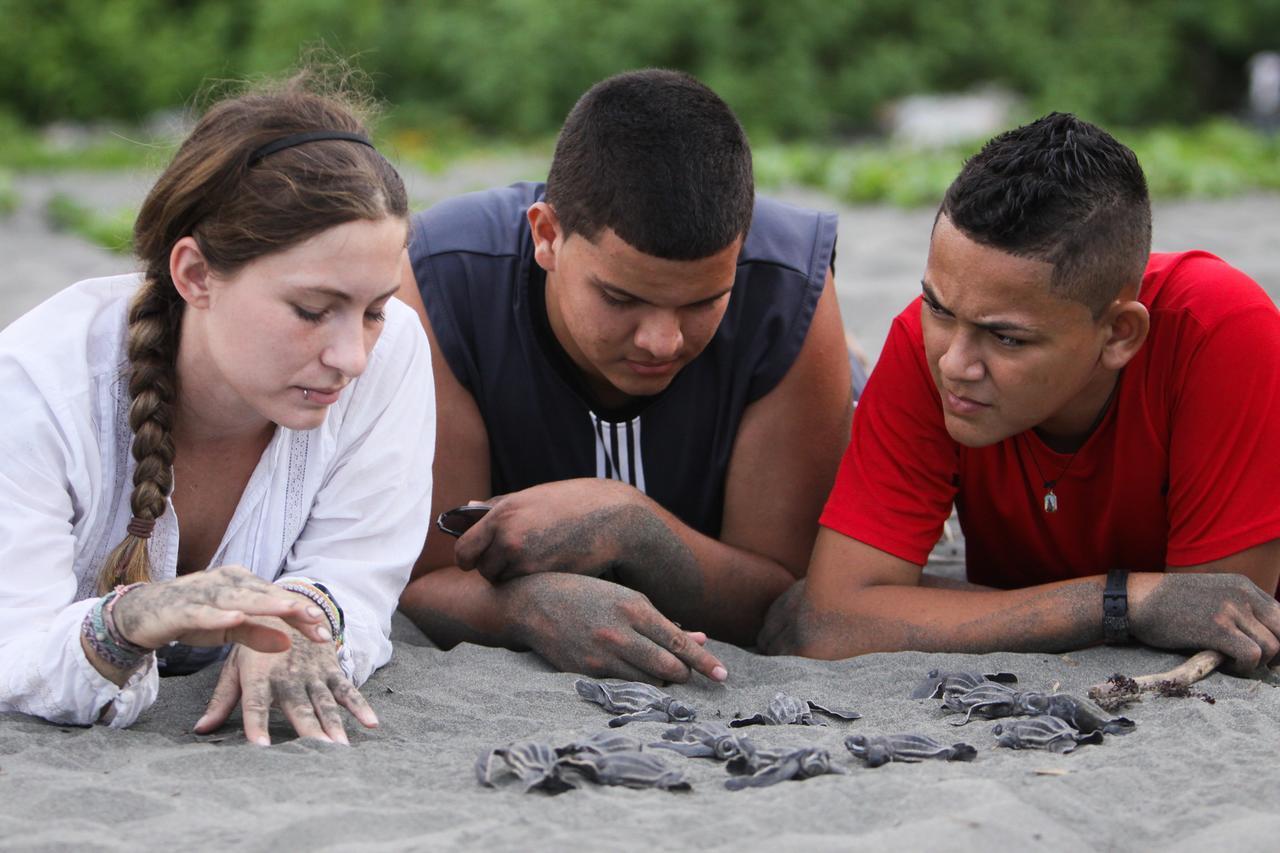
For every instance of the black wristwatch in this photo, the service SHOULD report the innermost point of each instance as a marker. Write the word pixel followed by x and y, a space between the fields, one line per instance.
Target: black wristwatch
pixel 1115 608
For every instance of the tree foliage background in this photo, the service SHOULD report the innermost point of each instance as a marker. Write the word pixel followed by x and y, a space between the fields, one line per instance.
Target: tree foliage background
pixel 806 68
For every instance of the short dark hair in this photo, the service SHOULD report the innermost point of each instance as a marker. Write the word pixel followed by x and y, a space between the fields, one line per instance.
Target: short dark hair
pixel 1062 191
pixel 660 159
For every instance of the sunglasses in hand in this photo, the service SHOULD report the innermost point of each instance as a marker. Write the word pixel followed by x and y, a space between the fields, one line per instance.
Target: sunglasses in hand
pixel 460 519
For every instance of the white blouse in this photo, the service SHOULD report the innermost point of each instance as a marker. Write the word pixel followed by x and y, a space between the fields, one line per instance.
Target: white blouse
pixel 346 504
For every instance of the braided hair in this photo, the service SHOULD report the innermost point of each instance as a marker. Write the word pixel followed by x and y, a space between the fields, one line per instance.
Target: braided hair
pixel 237 208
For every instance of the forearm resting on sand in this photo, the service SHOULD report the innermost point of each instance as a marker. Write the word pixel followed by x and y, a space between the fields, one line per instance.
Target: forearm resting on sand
pixel 814 622
pixel 453 606
pixel 858 600
pixel 609 530
pixel 696 580
pixel 578 623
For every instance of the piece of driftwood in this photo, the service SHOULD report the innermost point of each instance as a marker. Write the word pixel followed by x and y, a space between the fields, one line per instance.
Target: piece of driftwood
pixel 1120 690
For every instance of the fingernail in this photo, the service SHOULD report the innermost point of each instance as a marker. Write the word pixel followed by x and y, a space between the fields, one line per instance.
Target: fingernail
pixel 314 612
pixel 200 722
pixel 325 633
pixel 262 740
pixel 719 673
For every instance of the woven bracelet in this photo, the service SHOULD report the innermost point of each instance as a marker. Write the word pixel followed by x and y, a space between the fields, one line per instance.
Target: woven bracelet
pixel 321 597
pixel 104 638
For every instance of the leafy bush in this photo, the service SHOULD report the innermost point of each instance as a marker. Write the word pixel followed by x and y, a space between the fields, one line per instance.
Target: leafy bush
pixel 514 67
pixel 1213 159
pixel 114 232
pixel 8 195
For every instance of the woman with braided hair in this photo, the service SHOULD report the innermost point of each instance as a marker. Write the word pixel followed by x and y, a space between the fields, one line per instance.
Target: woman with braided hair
pixel 228 455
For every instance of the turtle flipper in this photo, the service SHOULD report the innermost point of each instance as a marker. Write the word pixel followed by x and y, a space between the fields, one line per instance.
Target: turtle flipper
pixel 771 775
pixel 1118 726
pixel 755 720
pixel 689 750
pixel 835 712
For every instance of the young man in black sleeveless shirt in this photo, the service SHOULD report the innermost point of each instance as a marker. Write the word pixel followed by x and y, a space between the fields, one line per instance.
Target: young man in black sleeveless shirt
pixel 642 368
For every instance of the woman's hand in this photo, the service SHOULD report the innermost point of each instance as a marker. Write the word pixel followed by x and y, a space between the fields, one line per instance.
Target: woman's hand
pixel 305 682
pixel 213 608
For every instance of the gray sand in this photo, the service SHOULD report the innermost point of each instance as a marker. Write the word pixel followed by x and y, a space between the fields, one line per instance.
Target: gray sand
pixel 1191 774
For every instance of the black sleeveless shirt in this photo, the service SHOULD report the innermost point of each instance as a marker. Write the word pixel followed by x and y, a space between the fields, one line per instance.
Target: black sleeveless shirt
pixel 473 260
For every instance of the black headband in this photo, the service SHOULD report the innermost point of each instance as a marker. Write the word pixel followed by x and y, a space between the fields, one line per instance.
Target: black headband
pixel 302 138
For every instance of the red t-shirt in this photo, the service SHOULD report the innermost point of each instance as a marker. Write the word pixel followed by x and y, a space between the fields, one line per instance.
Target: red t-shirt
pixel 1183 469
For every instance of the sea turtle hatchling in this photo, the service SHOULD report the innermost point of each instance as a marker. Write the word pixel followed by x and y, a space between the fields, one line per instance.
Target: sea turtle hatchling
pixel 631 769
pixel 876 750
pixel 803 763
pixel 938 682
pixel 1051 733
pixel 988 699
pixel 784 710
pixel 633 701
pixel 535 764
pixel 705 740
pixel 1083 715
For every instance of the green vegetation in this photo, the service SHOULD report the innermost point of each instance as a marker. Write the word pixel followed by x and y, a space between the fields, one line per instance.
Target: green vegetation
pixel 512 68
pixel 8 195
pixel 1218 158
pixel 114 231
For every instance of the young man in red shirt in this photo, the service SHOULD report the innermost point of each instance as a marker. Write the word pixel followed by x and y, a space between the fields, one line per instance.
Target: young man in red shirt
pixel 1106 421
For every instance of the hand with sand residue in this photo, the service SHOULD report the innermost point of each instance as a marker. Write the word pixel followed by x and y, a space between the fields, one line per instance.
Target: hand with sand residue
pixel 597 628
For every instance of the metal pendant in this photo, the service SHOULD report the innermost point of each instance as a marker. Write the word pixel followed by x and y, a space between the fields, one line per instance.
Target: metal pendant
pixel 1050 501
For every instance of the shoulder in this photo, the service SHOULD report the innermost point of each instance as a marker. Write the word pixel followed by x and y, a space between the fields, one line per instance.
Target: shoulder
pixel 61 365
pixel 1201 287
pixel 64 344
pixel 489 222
pixel 793 238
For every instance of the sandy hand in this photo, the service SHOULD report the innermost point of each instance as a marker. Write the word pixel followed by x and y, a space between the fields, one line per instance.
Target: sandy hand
pixel 213 608
pixel 305 682
pixel 598 628
pixel 1224 612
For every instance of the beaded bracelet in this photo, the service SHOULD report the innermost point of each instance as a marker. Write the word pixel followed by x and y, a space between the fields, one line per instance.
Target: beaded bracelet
pixel 104 638
pixel 319 594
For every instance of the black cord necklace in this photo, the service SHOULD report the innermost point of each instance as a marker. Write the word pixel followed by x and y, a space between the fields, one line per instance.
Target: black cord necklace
pixel 1051 497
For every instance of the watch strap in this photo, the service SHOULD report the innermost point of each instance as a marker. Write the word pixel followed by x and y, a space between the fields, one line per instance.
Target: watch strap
pixel 1115 608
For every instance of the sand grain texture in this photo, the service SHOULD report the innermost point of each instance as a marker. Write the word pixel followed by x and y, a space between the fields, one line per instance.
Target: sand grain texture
pixel 1191 775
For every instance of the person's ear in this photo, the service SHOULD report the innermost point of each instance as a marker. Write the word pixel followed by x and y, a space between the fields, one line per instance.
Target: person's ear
pixel 1128 323
pixel 548 237
pixel 190 272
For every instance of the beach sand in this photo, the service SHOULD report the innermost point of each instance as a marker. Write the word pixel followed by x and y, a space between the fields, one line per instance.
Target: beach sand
pixel 1191 775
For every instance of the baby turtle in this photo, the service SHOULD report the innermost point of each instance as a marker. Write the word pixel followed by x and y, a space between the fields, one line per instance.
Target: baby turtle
pixel 601 742
pixel 803 763
pixel 881 749
pixel 704 740
pixel 988 699
pixel 750 759
pixel 787 710
pixel 1083 715
pixel 939 682
pixel 535 764
pixel 633 701
pixel 631 769
pixel 1051 733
